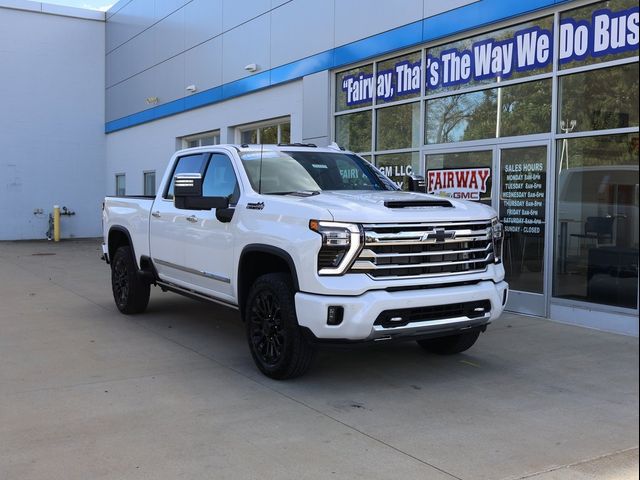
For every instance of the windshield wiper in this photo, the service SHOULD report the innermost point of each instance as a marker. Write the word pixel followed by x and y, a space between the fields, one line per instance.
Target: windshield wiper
pixel 299 193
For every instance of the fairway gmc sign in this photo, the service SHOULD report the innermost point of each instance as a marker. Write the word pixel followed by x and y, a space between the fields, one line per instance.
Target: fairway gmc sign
pixel 461 183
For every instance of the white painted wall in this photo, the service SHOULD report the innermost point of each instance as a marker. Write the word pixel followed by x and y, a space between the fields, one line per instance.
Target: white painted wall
pixel 52 143
pixel 149 146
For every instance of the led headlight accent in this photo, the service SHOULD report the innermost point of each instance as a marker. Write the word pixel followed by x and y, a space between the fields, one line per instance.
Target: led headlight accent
pixel 497 234
pixel 341 243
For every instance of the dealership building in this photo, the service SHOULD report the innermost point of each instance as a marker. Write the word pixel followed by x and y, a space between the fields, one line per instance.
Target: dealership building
pixel 529 106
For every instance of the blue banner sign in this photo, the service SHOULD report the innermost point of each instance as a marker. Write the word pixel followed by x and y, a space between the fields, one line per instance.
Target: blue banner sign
pixel 608 33
pixel 528 49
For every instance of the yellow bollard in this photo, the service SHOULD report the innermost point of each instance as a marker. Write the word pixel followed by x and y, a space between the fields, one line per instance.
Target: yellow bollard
pixel 56 223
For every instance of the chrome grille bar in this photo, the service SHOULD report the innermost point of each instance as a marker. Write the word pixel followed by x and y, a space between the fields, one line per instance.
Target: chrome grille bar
pixel 364 265
pixel 368 253
pixel 416 250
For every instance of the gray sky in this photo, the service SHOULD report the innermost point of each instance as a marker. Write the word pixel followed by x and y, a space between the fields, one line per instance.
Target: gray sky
pixel 91 4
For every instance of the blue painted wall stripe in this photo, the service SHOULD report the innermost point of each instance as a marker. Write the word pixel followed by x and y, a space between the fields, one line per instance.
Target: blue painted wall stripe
pixel 449 23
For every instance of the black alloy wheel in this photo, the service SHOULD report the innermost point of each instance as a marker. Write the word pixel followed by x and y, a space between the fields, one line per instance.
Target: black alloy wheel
pixel 120 281
pixel 278 345
pixel 266 328
pixel 130 291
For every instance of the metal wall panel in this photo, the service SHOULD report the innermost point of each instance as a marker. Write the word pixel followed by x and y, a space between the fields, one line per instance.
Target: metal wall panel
pixel 203 65
pixel 355 19
pixel 432 8
pixel 114 99
pixel 166 7
pixel 236 12
pixel 168 79
pixel 132 57
pixel 203 20
pixel 248 43
pixel 169 36
pixel 52 123
pixel 129 96
pixel 292 39
pixel 316 114
pixel 130 20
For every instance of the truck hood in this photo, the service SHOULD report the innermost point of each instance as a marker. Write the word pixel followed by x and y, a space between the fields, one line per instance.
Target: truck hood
pixel 363 206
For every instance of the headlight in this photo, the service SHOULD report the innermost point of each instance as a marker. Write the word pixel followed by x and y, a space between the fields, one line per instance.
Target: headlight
pixel 341 243
pixel 497 234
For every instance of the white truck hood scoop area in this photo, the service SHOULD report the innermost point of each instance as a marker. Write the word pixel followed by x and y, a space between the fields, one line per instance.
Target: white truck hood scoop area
pixel 417 203
pixel 365 206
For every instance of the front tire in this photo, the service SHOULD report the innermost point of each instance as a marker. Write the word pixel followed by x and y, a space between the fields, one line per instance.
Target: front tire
pixel 130 292
pixel 451 344
pixel 277 343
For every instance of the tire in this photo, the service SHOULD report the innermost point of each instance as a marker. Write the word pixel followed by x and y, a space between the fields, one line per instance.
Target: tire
pixel 277 343
pixel 130 292
pixel 450 345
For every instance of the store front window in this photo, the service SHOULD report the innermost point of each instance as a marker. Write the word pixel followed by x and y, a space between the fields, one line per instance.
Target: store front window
pixel 520 109
pixel 353 131
pixel 612 94
pixel 596 255
pixel 598 33
pixel 476 117
pixel 273 132
pixel 377 117
pixel 201 139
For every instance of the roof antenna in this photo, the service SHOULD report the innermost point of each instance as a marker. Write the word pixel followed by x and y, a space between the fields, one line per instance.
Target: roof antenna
pixel 260 176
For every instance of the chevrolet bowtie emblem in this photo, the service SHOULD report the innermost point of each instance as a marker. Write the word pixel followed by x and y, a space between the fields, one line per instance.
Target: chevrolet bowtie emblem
pixel 438 235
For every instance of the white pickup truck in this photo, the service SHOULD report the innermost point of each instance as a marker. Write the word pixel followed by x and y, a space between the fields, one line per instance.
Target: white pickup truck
pixel 311 245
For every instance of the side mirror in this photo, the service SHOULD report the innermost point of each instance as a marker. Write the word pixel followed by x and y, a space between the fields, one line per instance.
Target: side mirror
pixel 187 194
pixel 416 183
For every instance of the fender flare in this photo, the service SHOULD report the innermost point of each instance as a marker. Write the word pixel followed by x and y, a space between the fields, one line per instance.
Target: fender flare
pixel 121 229
pixel 276 251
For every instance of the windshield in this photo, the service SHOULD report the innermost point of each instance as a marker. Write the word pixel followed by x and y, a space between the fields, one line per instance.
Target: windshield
pixel 294 172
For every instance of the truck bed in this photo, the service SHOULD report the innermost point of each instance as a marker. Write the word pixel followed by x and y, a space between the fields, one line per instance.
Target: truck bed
pixel 132 214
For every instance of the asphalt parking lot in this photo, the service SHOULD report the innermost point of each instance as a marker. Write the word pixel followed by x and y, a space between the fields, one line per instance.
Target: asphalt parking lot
pixel 88 393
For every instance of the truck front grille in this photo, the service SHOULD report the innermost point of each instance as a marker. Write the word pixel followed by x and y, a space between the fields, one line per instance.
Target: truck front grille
pixel 410 250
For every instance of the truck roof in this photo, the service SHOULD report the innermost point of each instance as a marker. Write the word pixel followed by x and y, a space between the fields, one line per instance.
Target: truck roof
pixel 246 147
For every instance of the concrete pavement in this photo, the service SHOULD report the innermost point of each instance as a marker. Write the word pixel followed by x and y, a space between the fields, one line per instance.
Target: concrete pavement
pixel 88 393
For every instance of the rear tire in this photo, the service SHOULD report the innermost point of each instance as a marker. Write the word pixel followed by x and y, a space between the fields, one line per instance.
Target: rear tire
pixel 450 345
pixel 130 292
pixel 278 345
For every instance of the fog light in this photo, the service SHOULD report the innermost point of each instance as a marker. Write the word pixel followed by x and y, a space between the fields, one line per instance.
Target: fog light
pixel 335 315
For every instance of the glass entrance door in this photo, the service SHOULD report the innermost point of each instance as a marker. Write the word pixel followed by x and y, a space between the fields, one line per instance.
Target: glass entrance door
pixel 522 205
pixel 513 179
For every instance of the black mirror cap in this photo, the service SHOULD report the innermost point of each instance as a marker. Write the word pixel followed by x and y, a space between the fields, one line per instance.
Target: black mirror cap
pixel 187 185
pixel 187 194
pixel 416 183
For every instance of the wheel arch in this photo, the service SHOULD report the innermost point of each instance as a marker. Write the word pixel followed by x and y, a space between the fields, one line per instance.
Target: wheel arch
pixel 120 237
pixel 259 259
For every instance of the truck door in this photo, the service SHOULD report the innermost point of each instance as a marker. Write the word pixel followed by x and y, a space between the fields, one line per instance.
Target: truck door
pixel 208 242
pixel 168 224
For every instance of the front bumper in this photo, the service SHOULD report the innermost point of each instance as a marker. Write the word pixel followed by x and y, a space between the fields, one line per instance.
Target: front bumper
pixel 361 312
